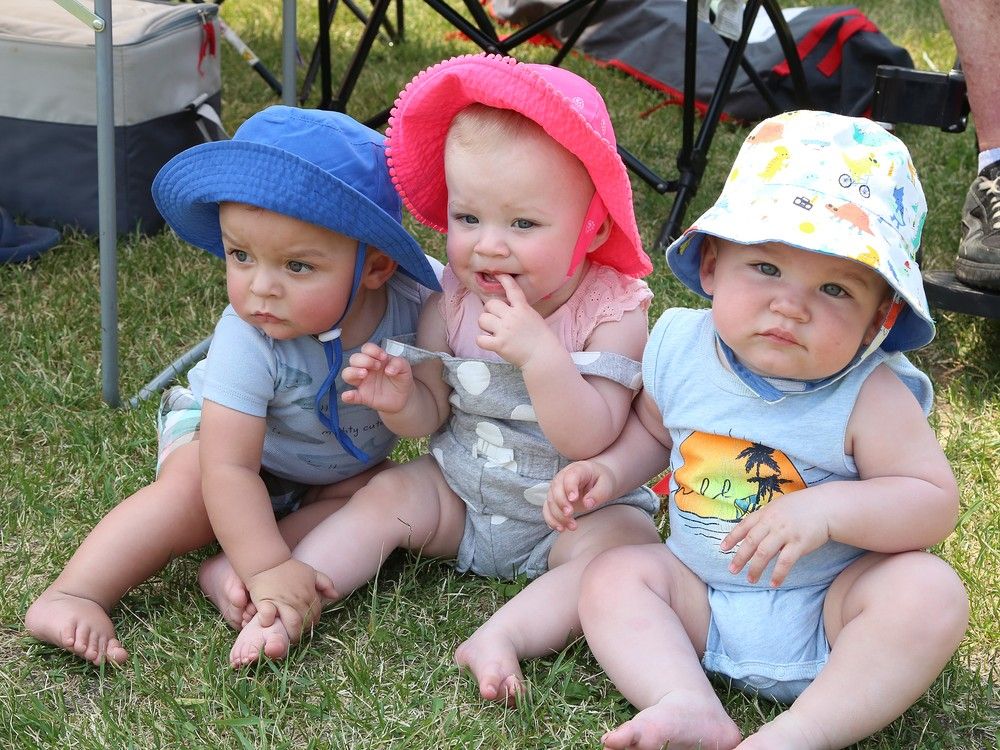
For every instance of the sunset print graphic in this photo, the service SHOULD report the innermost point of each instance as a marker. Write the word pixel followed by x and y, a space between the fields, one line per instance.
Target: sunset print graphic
pixel 726 478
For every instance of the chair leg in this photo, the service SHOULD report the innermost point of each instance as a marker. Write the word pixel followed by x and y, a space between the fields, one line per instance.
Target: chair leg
pixel 693 155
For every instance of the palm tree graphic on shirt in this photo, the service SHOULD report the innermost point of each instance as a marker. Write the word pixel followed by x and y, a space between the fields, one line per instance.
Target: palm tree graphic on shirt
pixel 725 477
pixel 768 485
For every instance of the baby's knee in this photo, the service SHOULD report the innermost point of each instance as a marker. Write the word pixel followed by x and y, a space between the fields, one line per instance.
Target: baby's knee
pixel 381 491
pixel 942 586
pixel 608 573
pixel 606 566
pixel 933 593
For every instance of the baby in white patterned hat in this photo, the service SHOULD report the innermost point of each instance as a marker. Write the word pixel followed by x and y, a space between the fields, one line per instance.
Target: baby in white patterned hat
pixel 806 481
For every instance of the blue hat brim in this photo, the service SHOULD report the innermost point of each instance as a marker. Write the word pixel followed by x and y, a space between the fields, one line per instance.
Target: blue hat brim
pixel 188 189
pixel 19 244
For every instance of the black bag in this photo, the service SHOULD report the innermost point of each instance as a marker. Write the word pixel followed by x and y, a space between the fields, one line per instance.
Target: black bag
pixel 839 46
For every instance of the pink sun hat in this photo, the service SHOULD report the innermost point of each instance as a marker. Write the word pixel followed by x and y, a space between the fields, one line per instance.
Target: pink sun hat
pixel 566 106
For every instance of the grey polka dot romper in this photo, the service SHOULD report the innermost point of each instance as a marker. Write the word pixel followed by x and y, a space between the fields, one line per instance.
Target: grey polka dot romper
pixel 495 458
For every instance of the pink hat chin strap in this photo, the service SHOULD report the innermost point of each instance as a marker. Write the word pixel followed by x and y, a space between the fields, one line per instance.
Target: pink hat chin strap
pixel 597 212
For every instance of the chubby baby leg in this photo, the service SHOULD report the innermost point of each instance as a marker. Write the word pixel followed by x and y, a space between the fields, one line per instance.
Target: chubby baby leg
pixel 645 617
pixel 893 621
pixel 223 587
pixel 132 542
pixel 543 618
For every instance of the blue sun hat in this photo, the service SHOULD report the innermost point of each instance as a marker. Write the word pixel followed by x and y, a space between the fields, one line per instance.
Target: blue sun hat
pixel 321 167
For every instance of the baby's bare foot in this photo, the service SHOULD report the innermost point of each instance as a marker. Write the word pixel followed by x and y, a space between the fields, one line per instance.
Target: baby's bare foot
pixel 254 641
pixel 493 661
pixel 81 626
pixel 224 588
pixel 680 721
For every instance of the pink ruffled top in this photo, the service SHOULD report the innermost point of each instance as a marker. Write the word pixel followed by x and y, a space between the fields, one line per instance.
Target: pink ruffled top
pixel 604 295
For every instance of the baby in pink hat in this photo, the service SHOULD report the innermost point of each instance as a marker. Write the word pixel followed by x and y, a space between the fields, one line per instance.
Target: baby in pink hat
pixel 527 360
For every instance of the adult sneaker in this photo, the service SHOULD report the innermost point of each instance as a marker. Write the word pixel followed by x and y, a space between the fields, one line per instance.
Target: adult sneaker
pixel 978 262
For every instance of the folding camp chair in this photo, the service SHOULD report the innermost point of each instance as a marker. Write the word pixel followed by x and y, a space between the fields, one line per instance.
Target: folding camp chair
pixel 921 97
pixel 475 23
pixel 693 154
pixel 100 20
pixel 479 28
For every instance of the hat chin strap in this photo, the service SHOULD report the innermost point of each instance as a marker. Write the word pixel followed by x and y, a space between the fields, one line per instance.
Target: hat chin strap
pixel 774 390
pixel 334 350
pixel 597 212
pixel 592 221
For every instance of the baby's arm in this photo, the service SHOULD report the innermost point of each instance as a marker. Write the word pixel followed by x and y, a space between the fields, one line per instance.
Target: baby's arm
pixel 641 451
pixel 412 401
pixel 905 499
pixel 239 508
pixel 579 416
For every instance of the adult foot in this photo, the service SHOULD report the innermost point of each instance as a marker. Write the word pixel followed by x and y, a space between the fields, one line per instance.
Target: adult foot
pixel 79 625
pixel 681 721
pixel 978 262
pixel 493 661
pixel 219 582
pixel 254 641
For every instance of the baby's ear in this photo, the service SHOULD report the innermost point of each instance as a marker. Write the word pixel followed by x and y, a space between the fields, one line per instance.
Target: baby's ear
pixel 602 234
pixel 706 267
pixel 378 268
pixel 881 315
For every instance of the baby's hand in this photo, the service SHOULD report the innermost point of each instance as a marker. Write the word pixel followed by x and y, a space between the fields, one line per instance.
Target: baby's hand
pixel 787 528
pixel 513 328
pixel 324 586
pixel 292 592
pixel 381 381
pixel 577 489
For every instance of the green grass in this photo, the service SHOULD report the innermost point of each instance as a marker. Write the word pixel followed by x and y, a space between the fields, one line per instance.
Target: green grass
pixel 377 671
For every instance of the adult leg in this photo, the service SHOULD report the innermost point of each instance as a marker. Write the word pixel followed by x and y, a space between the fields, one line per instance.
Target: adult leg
pixel 973 25
pixel 645 616
pixel 516 631
pixel 408 506
pixel 135 540
pixel 893 621
pixel 220 583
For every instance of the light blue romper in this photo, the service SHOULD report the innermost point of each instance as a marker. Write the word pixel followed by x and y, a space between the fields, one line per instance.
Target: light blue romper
pixel 495 457
pixel 251 373
pixel 732 452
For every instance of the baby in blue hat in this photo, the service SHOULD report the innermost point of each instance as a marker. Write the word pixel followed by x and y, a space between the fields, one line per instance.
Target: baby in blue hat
pixel 806 480
pixel 301 207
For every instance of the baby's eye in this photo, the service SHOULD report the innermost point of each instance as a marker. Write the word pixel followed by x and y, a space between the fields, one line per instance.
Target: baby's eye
pixel 768 269
pixel 467 219
pixel 240 256
pixel 297 266
pixel 834 290
pixel 523 223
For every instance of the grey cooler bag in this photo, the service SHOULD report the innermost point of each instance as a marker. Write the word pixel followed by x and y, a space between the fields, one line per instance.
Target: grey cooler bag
pixel 167 81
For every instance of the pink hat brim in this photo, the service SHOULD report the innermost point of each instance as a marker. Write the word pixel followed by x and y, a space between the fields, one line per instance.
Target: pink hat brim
pixel 419 122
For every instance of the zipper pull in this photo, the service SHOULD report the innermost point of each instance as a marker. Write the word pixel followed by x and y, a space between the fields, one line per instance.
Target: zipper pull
pixel 208 45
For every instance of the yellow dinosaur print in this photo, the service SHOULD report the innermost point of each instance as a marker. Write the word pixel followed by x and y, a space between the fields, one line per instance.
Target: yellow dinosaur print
pixel 776 163
pixel 869 257
pixel 862 167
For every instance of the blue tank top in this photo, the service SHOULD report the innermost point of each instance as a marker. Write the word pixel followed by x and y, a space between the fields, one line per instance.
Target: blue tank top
pixel 733 451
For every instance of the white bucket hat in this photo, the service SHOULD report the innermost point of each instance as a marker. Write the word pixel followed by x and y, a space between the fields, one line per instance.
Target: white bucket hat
pixel 829 184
